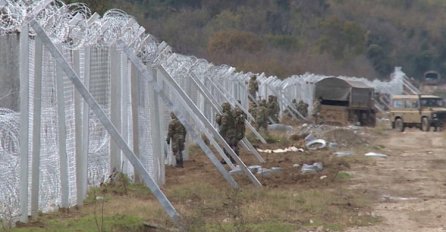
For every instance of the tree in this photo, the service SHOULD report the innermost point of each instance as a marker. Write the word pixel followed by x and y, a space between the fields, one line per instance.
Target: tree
pixel 379 59
pixel 341 39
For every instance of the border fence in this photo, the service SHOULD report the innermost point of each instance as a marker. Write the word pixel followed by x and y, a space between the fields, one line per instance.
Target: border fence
pixel 86 95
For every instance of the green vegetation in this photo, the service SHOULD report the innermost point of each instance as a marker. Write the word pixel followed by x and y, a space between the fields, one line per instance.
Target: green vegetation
pixel 209 207
pixel 251 209
pixel 283 37
pixel 115 223
pixel 343 176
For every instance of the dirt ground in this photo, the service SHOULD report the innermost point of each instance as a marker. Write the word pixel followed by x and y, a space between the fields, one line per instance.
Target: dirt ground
pixel 408 187
pixel 410 184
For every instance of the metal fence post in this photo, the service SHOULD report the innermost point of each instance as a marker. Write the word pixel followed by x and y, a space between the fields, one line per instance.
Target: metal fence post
pixel 24 122
pixel 35 177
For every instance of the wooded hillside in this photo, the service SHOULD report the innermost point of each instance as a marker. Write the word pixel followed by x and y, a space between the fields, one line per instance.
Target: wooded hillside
pixel 284 37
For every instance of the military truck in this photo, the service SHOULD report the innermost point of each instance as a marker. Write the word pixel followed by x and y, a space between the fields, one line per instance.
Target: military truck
pixel 421 111
pixel 345 102
pixel 431 78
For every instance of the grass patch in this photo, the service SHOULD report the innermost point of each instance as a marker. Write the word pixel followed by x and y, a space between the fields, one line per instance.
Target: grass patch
pixel 292 202
pixel 267 209
pixel 116 223
pixel 279 139
pixel 342 176
pixel 206 207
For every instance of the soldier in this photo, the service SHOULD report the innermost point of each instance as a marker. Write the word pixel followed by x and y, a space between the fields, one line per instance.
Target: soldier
pixel 302 108
pixel 262 116
pixel 273 108
pixel 226 124
pixel 176 134
pixel 317 109
pixel 240 118
pixel 253 86
pixel 252 109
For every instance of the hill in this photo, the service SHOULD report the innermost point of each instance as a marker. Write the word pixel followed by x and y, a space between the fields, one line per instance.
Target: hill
pixel 284 37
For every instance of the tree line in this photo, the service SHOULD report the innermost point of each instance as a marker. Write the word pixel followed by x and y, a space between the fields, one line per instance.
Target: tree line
pixel 284 37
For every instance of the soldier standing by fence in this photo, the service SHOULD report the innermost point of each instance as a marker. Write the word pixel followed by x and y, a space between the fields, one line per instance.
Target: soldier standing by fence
pixel 262 116
pixel 240 118
pixel 252 109
pixel 226 125
pixel 176 134
pixel 302 108
pixel 273 108
pixel 316 110
pixel 253 86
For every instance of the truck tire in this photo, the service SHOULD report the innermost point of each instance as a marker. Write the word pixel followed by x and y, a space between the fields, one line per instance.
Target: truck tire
pixel 399 125
pixel 425 125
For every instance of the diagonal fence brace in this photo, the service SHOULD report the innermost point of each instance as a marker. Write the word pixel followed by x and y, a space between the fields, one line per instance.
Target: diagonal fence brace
pixel 106 122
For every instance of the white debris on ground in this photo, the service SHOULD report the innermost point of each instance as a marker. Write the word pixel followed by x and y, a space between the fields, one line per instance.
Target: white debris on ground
pixel 288 149
pixel 343 153
pixel 316 144
pixel 334 136
pixel 257 169
pixel 315 167
pixel 374 154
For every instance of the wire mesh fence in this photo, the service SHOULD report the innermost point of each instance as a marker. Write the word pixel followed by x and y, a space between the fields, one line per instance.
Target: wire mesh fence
pixel 137 106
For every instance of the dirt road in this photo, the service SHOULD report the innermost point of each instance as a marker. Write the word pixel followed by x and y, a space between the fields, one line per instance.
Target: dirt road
pixel 410 184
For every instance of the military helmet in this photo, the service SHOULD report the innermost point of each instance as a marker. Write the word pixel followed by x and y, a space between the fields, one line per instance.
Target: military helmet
pixel 226 106
pixel 172 115
pixel 253 77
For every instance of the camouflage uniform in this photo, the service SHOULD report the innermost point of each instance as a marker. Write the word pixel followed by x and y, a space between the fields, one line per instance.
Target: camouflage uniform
pixel 176 134
pixel 262 116
pixel 273 108
pixel 226 124
pixel 252 109
pixel 316 110
pixel 240 118
pixel 253 86
pixel 302 108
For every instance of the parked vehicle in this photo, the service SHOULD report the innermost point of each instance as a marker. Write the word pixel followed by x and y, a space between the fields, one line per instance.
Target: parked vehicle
pixel 345 102
pixel 431 78
pixel 422 111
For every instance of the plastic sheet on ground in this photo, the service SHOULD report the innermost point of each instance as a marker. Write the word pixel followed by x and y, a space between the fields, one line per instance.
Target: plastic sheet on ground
pixel 343 153
pixel 315 167
pixel 236 170
pixel 374 154
pixel 288 149
pixel 255 168
pixel 268 172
